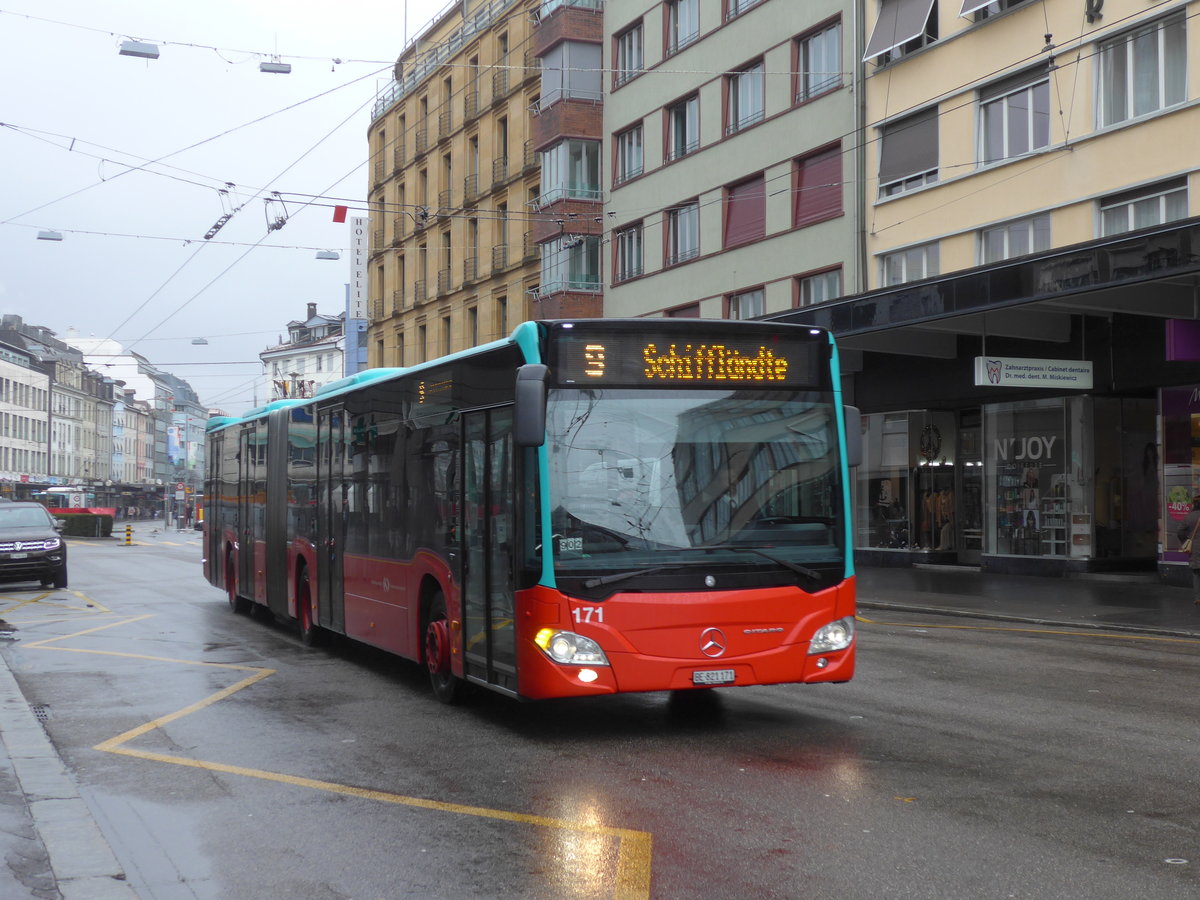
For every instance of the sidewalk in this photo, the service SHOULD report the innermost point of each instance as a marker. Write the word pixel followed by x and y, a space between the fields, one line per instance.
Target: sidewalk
pixel 1131 604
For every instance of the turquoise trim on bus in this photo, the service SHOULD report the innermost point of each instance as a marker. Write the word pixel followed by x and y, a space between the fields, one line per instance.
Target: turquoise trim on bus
pixel 835 366
pixel 528 338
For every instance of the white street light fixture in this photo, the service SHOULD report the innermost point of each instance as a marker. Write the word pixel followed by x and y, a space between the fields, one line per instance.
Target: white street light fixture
pixel 140 49
pixel 328 254
pixel 49 236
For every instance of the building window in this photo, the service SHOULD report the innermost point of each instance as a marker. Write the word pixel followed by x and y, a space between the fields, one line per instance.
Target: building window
pixel 908 156
pixel 745 212
pixel 571 169
pixel 745 98
pixel 817 192
pixel 629 154
pixel 629 253
pixel 1017 238
pixel 819 288
pixel 819 62
pixel 737 7
pixel 912 264
pixel 683 24
pixel 985 9
pixel 627 55
pixel 571 263
pixel 1145 207
pixel 1015 116
pixel 683 127
pixel 747 304
pixel 683 233
pixel 903 26
pixel 1143 70
pixel 570 69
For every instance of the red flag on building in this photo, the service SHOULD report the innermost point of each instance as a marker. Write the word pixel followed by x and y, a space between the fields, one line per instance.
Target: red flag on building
pixel 339 213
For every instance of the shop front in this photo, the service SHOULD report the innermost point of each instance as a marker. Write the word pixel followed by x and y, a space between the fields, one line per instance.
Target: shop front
pixel 1045 486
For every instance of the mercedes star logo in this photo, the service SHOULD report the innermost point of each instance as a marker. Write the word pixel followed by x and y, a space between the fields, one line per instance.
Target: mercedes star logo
pixel 712 642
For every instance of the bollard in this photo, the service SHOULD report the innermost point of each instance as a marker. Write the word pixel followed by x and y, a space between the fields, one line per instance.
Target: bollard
pixel 128 535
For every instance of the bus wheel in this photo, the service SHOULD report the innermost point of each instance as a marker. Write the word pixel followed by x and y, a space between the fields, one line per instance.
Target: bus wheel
pixel 446 687
pixel 236 603
pixel 311 634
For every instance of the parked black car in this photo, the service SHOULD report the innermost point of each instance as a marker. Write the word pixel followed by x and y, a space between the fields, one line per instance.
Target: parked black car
pixel 31 548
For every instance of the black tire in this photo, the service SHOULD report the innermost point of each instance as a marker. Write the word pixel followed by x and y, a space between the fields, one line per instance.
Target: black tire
pixel 446 687
pixel 240 605
pixel 60 578
pixel 311 634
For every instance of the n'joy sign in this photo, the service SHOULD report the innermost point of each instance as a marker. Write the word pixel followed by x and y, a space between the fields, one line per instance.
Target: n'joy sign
pixel 1010 371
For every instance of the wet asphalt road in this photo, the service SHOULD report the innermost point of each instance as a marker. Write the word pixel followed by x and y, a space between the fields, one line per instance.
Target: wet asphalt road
pixel 223 759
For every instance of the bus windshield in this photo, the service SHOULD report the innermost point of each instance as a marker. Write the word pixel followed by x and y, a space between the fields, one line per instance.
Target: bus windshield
pixel 660 480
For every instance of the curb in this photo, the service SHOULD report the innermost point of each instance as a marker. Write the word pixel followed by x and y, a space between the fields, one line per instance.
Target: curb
pixel 83 863
pixel 1028 620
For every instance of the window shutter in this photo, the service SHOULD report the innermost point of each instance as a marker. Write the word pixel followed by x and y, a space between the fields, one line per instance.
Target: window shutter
pixel 818 187
pixel 746 212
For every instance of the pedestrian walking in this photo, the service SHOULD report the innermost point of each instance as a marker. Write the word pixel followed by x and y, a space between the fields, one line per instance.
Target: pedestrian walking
pixel 1187 538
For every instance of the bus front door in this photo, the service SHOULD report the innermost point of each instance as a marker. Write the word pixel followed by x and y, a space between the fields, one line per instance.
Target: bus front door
pixel 331 518
pixel 487 548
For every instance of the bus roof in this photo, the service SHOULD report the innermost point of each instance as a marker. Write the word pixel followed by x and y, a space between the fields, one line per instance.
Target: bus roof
pixel 525 335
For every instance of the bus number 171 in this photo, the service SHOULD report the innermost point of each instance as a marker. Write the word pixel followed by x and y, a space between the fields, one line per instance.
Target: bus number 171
pixel 584 614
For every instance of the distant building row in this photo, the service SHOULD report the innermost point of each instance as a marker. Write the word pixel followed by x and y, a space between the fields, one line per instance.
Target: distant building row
pixel 72 421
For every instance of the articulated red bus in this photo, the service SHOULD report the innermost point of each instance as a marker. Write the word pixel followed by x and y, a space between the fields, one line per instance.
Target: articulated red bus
pixel 586 507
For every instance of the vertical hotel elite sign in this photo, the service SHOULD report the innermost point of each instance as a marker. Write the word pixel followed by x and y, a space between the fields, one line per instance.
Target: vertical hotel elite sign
pixel 358 267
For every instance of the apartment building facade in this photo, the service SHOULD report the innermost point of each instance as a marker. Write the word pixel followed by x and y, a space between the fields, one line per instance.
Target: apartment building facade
pixel 1026 351
pixel 312 356
pixel 454 185
pixel 24 421
pixel 731 152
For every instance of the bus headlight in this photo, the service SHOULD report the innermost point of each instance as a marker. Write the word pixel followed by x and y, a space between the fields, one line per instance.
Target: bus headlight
pixel 569 648
pixel 832 637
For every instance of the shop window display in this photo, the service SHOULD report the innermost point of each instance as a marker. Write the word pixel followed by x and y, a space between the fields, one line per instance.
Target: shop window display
pixel 906 485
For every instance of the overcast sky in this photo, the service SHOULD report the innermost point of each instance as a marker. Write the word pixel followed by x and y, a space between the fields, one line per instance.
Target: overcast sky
pixel 133 263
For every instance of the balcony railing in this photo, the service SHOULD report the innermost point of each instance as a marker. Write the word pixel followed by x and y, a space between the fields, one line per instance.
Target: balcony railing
pixel 445 198
pixel 529 249
pixel 445 124
pixel 500 170
pixel 398 158
pixel 443 285
pixel 380 173
pixel 377 309
pixel 529 158
pixel 397 300
pixel 499 85
pixel 470 188
pixel 419 291
pixel 421 139
pixel 377 239
pixel 470 269
pixel 499 257
pixel 399 223
pixel 471 104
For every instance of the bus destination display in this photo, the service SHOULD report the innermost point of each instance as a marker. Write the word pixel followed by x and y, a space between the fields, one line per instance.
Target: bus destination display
pixel 700 360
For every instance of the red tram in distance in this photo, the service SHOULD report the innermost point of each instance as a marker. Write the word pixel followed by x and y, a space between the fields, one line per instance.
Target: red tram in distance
pixel 586 507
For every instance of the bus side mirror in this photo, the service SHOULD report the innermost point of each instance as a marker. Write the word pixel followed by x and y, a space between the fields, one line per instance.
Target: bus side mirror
pixel 854 449
pixel 529 415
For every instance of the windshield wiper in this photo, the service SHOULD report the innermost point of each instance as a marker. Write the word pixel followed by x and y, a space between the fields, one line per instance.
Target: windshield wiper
pixel 795 567
pixel 621 576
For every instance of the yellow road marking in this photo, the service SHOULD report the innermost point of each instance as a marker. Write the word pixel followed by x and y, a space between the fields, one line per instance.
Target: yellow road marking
pixel 1085 632
pixel 91 604
pixel 634 848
